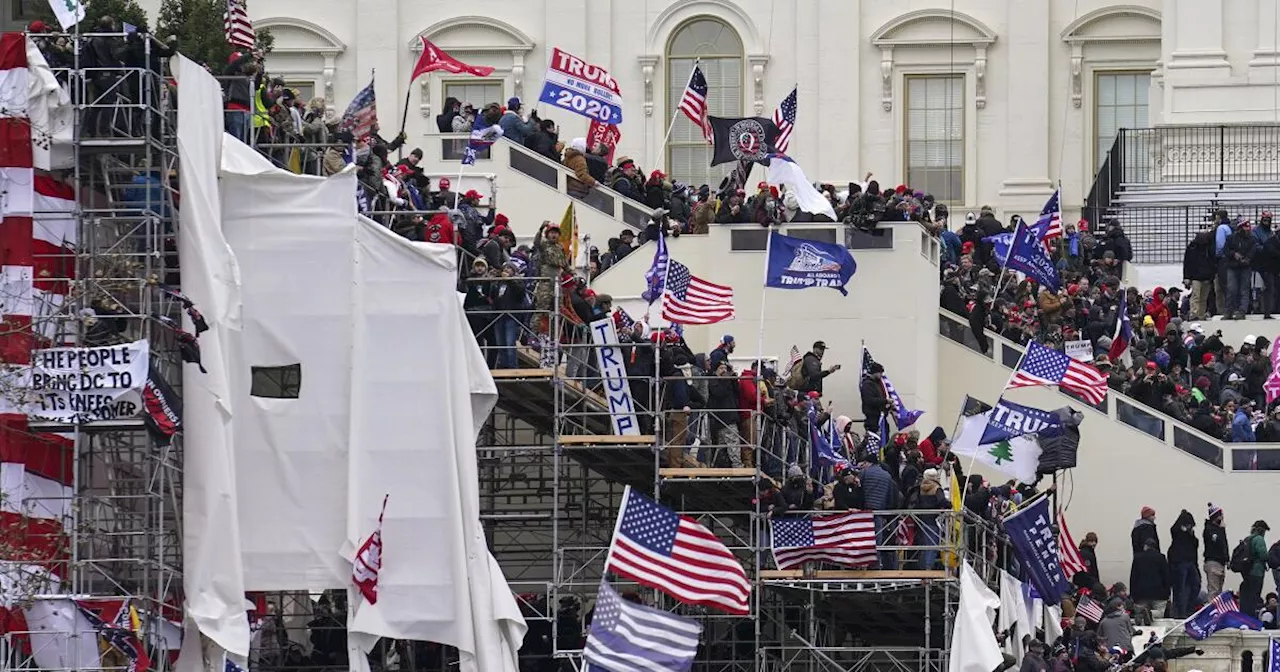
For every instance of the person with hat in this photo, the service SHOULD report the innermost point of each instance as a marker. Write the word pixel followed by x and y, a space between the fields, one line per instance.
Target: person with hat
pixel 474 223
pixel 1144 528
pixel 1216 553
pixel 811 368
pixel 929 497
pixel 722 351
pixel 626 179
pixel 1251 581
pixel 514 127
pixel 552 262
pixel 1089 553
pixel 875 400
pixel 445 196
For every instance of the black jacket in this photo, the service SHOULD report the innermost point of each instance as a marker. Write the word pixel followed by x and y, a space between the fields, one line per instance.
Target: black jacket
pixel 1199 261
pixel 811 369
pixel 874 399
pixel 1184 547
pixel 1215 543
pixel 1143 530
pixel 1241 247
pixel 1090 557
pixel 1149 577
pixel 848 496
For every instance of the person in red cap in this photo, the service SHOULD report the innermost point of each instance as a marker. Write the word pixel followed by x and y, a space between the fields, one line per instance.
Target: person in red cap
pixel 1144 528
pixel 496 249
pixel 444 197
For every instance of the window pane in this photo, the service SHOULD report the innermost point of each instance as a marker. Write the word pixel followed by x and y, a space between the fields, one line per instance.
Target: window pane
pixel 705 37
pixel 935 136
pixel 1124 89
pixel 479 93
pixel 1142 88
pixel 1106 89
pixel 720 52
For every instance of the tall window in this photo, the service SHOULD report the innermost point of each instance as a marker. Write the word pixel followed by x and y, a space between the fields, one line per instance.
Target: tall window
pixel 1120 102
pixel 935 136
pixel 476 92
pixel 718 51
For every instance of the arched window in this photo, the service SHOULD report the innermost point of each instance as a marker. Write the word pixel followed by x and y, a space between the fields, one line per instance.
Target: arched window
pixel 718 51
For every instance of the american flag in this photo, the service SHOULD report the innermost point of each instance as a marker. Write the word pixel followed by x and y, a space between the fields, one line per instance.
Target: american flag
pixel 1068 552
pixel 847 539
pixel 121 639
pixel 1043 366
pixel 688 299
pixel 237 25
pixel 1090 608
pixel 785 119
pixel 1049 224
pixel 626 636
pixel 657 547
pixel 361 114
pixel 622 321
pixel 368 561
pixel 482 137
pixel 794 359
pixel 694 102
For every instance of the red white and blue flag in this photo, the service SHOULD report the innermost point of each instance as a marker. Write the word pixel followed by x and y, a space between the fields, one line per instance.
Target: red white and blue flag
pixel 657 547
pixel 1041 366
pixel 845 539
pixel 785 119
pixel 1124 333
pixel 483 136
pixel 688 299
pixel 1049 224
pixel 694 102
pixel 236 24
pixel 361 114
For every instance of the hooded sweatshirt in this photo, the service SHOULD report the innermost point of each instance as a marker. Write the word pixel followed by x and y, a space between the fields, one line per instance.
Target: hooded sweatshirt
pixel 1184 547
pixel 929 447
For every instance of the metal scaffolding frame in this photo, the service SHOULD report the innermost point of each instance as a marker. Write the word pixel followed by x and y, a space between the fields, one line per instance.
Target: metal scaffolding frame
pixel 552 475
pixel 124 531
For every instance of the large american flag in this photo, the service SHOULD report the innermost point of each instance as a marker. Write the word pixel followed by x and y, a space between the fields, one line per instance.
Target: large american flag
pixel 626 636
pixel 1049 224
pixel 361 114
pixel 785 119
pixel 237 25
pixel 688 299
pixel 847 539
pixel 1043 366
pixel 657 547
pixel 694 102
pixel 1068 552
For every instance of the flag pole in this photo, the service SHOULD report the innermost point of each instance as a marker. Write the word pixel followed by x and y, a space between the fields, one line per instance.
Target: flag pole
pixel 676 115
pixel 759 365
pixel 1005 265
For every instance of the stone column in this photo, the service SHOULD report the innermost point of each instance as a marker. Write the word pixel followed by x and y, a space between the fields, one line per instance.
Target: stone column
pixel 837 141
pixel 1197 38
pixel 376 52
pixel 1266 55
pixel 1026 54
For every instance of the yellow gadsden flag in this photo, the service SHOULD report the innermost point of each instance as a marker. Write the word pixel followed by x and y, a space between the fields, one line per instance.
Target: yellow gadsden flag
pixel 569 234
pixel 952 559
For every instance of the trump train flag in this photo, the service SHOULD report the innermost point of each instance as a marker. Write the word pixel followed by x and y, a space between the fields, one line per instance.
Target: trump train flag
pixel 796 263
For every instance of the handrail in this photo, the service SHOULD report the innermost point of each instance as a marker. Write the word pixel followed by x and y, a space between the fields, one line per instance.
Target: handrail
pixel 1170 429
pixel 562 185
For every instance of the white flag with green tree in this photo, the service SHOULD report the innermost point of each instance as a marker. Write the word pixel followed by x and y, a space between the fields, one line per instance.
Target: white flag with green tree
pixel 1018 457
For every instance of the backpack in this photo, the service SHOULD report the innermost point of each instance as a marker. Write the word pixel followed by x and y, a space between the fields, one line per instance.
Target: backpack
pixel 1242 557
pixel 795 377
pixel 1273 556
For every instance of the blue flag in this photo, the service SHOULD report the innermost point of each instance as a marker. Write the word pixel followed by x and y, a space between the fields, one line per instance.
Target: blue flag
pixel 1008 420
pixel 656 277
pixel 1221 613
pixel 1031 532
pixel 1026 254
pixel 903 417
pixel 629 636
pixel 1273 655
pixel 796 263
pixel 824 444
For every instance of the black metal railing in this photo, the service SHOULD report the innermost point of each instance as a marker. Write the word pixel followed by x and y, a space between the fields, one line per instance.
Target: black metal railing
pixel 1106 185
pixel 1204 154
pixel 1160 233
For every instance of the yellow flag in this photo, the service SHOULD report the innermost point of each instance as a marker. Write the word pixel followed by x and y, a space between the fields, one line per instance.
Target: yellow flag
pixel 135 623
pixel 569 234
pixel 957 505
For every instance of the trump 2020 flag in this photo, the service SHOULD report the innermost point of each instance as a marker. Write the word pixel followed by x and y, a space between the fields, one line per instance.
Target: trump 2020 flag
pixel 656 277
pixel 368 561
pixel 796 263
pixel 1026 254
pixel 1031 532
pixel 629 636
pixel 1008 420
pixel 824 445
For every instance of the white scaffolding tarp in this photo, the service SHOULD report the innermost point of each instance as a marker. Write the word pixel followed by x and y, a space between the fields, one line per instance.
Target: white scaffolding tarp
pixel 369 384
